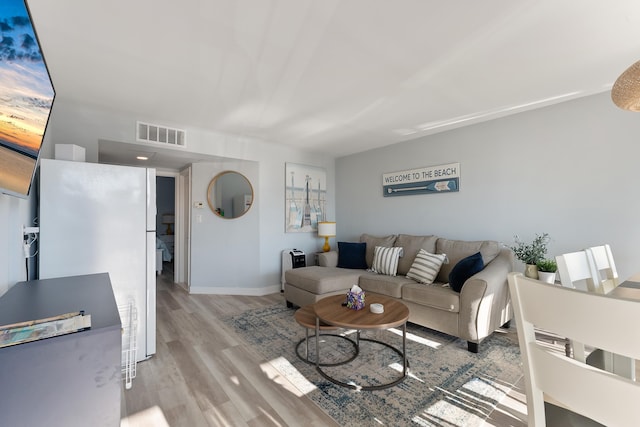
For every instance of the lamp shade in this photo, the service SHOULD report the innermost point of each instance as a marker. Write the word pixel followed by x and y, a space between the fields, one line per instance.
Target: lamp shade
pixel 625 92
pixel 326 229
pixel 168 219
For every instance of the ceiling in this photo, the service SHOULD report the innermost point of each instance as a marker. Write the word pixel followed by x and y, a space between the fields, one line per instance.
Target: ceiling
pixel 334 76
pixel 123 153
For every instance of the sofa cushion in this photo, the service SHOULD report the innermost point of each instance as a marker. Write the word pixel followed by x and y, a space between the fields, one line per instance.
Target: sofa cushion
pixel 426 266
pixel 458 249
pixel 352 255
pixel 436 295
pixel 373 241
pixel 385 285
pixel 385 260
pixel 411 245
pixel 464 269
pixel 321 280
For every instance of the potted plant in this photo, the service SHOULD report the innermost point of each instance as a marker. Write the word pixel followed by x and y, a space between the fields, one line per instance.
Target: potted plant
pixel 531 253
pixel 547 270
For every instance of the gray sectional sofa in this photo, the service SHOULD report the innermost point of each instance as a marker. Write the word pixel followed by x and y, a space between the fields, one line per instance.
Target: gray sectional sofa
pixel 482 305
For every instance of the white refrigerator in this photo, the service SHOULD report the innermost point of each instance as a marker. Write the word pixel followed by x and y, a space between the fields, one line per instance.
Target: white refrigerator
pixel 97 218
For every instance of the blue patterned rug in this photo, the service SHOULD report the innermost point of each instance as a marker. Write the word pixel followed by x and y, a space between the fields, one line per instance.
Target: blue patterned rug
pixel 446 386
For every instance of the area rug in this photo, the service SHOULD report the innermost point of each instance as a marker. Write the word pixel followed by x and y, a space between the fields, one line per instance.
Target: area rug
pixel 446 385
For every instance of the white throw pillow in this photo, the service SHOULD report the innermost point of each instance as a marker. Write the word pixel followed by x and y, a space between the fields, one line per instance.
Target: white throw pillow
pixel 426 266
pixel 385 260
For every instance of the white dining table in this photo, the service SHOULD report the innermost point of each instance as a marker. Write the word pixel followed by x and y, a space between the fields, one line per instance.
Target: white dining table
pixel 630 288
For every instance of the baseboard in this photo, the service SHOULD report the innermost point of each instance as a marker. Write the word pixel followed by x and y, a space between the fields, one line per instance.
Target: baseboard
pixel 256 292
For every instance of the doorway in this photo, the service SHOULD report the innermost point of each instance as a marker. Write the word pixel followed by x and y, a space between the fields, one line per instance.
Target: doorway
pixel 173 191
pixel 166 222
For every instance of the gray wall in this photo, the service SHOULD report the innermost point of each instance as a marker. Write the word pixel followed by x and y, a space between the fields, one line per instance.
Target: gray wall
pixel 570 170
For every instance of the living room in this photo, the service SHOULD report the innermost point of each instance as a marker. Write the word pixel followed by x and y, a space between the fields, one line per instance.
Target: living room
pixel 563 168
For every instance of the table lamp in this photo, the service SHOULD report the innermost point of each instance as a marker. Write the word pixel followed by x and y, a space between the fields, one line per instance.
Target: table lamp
pixel 326 229
pixel 168 219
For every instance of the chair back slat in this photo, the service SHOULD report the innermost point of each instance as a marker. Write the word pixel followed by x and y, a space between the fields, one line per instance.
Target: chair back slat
pixel 605 267
pixel 559 377
pixel 576 271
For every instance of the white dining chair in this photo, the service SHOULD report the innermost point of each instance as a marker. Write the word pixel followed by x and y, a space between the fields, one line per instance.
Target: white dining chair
pixel 605 266
pixel 577 271
pixel 574 390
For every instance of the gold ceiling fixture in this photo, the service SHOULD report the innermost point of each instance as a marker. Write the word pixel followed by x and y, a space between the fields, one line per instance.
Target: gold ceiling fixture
pixel 625 92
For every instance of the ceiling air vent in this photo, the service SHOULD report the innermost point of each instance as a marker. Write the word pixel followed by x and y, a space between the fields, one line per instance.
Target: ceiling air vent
pixel 147 132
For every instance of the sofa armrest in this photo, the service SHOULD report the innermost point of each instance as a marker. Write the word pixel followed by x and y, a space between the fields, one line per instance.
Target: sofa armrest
pixel 485 304
pixel 328 259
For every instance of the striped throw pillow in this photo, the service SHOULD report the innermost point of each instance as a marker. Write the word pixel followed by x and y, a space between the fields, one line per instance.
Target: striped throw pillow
pixel 426 266
pixel 385 260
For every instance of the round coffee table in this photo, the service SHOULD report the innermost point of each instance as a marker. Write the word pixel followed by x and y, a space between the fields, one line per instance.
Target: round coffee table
pixel 306 317
pixel 331 311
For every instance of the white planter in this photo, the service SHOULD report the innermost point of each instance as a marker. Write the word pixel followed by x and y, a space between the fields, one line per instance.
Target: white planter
pixel 547 277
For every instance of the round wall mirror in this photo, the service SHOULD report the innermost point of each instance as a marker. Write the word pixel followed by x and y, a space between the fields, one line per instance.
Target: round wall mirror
pixel 230 194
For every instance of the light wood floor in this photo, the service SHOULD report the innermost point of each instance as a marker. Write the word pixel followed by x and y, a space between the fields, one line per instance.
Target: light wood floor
pixel 202 375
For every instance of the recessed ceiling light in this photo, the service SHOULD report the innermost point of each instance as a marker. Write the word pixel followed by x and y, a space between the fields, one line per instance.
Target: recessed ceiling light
pixel 142 158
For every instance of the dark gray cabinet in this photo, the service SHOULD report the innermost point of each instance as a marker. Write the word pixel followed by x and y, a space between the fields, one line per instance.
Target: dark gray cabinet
pixel 68 380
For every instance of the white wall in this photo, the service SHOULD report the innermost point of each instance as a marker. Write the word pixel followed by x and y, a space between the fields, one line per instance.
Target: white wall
pixel 229 248
pixel 588 179
pixel 14 214
pixel 84 125
pixel 570 170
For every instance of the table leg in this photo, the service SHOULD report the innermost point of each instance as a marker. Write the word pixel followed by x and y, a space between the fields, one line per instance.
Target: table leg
pixel 404 348
pixel 306 357
pixel 352 386
pixel 317 343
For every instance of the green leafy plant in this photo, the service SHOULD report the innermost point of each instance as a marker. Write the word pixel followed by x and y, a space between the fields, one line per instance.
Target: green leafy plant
pixel 531 253
pixel 547 265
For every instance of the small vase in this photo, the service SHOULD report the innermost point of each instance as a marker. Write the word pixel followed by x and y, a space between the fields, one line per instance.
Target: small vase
pixel 547 277
pixel 531 271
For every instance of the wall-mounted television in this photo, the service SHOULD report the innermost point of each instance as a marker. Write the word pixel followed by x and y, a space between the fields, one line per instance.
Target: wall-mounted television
pixel 26 98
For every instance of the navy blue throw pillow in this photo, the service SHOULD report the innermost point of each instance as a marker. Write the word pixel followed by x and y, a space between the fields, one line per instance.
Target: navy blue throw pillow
pixel 464 269
pixel 352 255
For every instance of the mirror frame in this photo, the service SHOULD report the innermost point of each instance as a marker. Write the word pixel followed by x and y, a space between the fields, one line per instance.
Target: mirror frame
pixel 211 185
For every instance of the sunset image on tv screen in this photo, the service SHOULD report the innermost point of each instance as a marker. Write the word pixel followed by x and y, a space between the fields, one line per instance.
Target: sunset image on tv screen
pixel 26 96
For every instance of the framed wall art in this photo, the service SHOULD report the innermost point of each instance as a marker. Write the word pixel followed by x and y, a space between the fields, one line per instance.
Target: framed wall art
pixel 305 197
pixel 427 180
